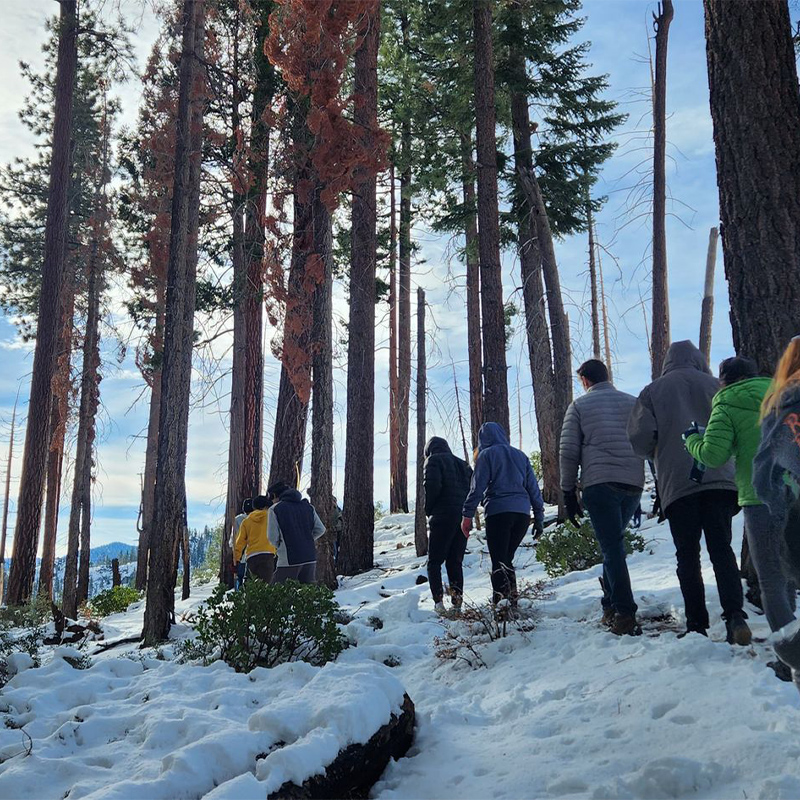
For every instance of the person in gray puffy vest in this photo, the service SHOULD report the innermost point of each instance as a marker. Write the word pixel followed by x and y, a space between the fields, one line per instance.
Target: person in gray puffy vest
pixel 293 527
pixel 594 442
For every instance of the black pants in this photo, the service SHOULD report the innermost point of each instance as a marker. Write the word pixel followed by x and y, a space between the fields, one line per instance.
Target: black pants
pixel 708 512
pixel 446 545
pixel 262 566
pixel 504 533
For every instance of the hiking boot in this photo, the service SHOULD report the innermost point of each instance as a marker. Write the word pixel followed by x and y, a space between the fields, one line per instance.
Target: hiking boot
pixel 788 650
pixel 440 609
pixel 457 601
pixel 782 672
pixel 608 617
pixel 625 625
pixel 701 631
pixel 738 630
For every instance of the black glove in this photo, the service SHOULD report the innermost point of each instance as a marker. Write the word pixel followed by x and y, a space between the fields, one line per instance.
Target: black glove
pixel 573 507
pixel 538 528
pixel 690 431
pixel 657 511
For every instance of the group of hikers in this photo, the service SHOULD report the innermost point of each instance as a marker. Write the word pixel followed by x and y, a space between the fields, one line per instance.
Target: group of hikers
pixel 273 538
pixel 713 446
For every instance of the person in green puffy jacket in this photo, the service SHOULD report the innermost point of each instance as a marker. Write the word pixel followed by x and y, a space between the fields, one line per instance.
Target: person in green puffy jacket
pixel 734 431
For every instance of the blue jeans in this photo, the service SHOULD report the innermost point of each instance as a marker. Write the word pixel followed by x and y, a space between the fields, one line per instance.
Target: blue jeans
pixel 241 569
pixel 610 507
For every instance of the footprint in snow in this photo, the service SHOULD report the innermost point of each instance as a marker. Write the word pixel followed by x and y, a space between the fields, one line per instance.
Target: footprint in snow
pixel 661 709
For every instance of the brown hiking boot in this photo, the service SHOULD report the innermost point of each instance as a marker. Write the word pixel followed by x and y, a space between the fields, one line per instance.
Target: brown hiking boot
pixel 625 625
pixel 738 630
pixel 608 617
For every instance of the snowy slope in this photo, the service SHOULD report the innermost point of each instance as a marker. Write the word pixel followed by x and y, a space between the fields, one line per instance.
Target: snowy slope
pixel 568 710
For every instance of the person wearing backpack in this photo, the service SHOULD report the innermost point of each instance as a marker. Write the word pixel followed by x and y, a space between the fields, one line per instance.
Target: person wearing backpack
pixel 505 485
pixel 293 528
pixel 252 542
pixel 695 502
pixel 447 480
pixel 733 431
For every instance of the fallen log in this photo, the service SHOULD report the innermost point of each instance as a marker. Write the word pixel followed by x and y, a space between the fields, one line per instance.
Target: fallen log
pixel 358 767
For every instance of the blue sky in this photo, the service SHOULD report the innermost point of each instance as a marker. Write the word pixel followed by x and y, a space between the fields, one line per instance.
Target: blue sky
pixel 619 31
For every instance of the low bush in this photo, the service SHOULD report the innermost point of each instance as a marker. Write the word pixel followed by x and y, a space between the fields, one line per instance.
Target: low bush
pixel 267 624
pixel 113 601
pixel 476 626
pixel 566 548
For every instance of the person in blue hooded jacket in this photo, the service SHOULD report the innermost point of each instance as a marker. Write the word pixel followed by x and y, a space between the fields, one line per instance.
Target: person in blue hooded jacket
pixel 505 485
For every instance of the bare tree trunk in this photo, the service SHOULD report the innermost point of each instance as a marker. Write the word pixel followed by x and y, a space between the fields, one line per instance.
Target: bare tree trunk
pixel 116 578
pixel 9 461
pixel 707 312
pixel 473 290
pixel 548 423
pixel 170 494
pixel 755 108
pixel 495 384
pixel 394 389
pixel 356 545
pixel 404 316
pixel 76 577
pixel 420 520
pixel 59 410
pixel 604 308
pixel 149 479
pixel 185 552
pixel 322 407
pixel 291 416
pixel 593 284
pixel 559 323
pixel 29 506
pixel 661 334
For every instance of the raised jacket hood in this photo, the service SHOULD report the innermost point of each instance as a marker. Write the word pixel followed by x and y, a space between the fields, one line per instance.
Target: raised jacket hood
pixel 491 433
pixel 684 355
pixel 291 496
pixel 437 445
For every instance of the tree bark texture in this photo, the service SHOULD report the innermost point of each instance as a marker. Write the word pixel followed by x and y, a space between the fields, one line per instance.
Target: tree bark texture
pixel 538 335
pixel 358 522
pixel 80 506
pixel 404 323
pixel 185 557
pixel 59 411
pixel 29 505
pixel 559 323
pixel 660 332
pixel 6 499
pixel 420 520
pixel 707 310
pixel 474 347
pixel 394 392
pixel 170 493
pixel 291 415
pixel 149 479
pixel 116 578
pixel 755 109
pixel 495 382
pixel 322 406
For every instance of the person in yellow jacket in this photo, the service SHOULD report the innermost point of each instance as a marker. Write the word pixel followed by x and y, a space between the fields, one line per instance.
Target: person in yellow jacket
pixel 252 542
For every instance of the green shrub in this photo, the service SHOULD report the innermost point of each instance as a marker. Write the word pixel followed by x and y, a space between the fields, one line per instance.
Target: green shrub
pixel 536 463
pixel 113 601
pixel 208 571
pixel 267 624
pixel 565 548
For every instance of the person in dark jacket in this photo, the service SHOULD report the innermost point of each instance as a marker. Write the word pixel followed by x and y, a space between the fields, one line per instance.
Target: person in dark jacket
pixel 505 484
pixel 693 507
pixel 776 479
pixel 447 480
pixel 293 527
pixel 594 440
pixel 240 569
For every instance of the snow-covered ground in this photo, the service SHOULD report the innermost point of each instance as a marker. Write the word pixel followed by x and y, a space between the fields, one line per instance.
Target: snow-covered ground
pixel 566 710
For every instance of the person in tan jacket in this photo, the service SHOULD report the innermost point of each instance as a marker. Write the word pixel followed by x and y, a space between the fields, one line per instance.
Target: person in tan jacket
pixel 252 543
